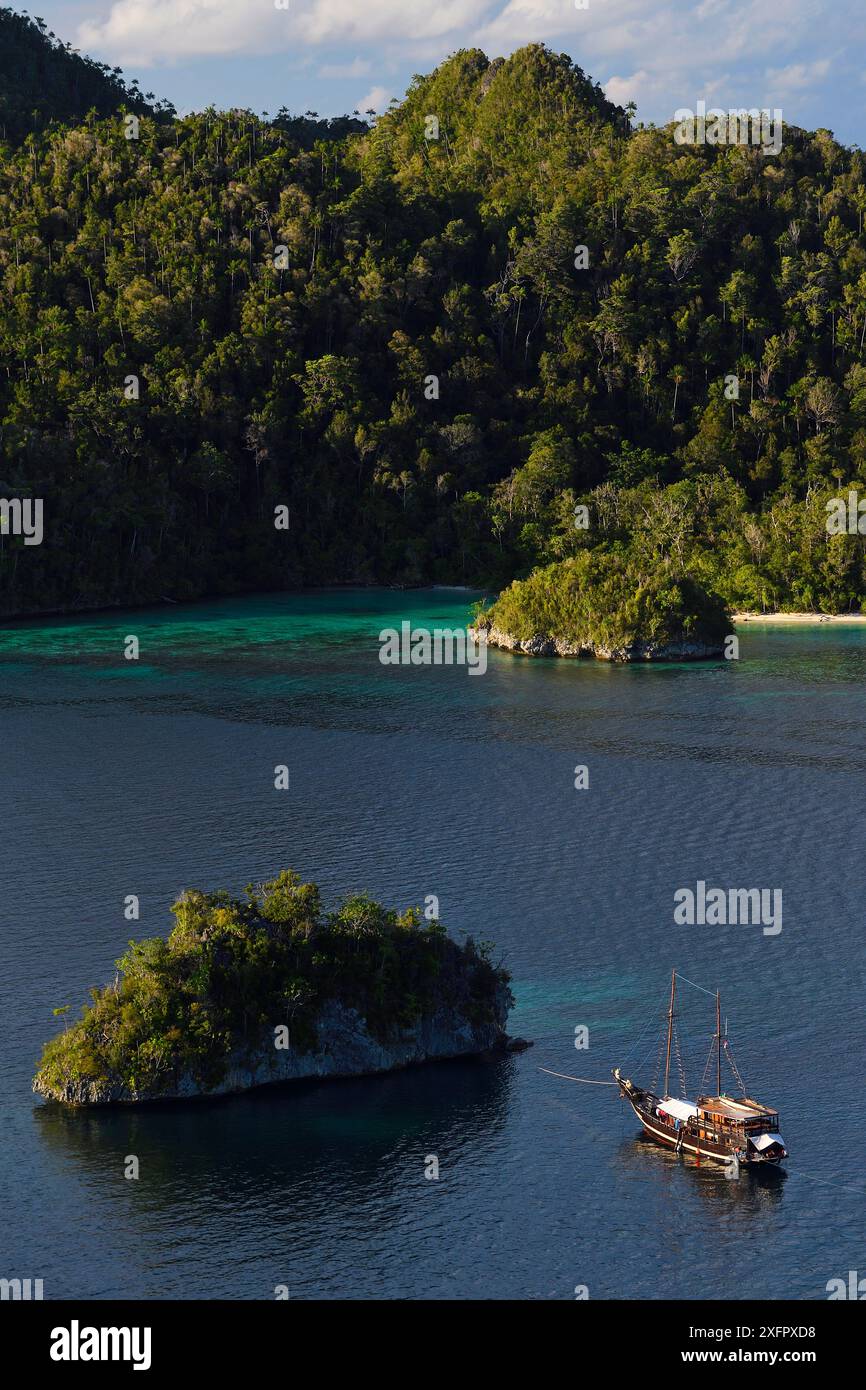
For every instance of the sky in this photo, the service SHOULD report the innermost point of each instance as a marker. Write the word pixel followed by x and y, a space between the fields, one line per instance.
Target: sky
pixel 805 57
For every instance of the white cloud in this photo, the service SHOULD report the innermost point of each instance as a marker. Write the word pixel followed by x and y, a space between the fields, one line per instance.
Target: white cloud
pixel 143 32
pixel 359 68
pixel 660 53
pixel 149 32
pixel 798 76
pixel 414 20
pixel 526 21
pixel 622 90
pixel 376 100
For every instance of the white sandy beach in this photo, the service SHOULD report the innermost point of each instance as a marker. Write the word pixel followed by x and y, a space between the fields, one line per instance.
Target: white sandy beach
pixel 838 618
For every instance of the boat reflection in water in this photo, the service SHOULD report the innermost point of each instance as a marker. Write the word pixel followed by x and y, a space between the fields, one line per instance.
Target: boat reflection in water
pixel 756 1191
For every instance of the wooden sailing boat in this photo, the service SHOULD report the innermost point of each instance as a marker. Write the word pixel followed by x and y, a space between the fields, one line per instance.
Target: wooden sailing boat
pixel 721 1128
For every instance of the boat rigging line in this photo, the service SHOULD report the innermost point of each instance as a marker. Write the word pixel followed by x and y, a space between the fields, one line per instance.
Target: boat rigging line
pixel 710 992
pixel 582 1079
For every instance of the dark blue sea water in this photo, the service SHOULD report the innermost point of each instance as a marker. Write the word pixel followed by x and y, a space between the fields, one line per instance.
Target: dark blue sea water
pixel 119 777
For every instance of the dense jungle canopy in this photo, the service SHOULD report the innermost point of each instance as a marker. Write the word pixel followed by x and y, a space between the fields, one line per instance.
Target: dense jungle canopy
pixel 381 328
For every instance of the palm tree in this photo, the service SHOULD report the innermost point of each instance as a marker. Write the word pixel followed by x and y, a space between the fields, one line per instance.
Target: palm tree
pixel 678 376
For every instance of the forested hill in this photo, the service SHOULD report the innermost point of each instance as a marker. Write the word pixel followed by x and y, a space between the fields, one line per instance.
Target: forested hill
pixel 384 331
pixel 43 79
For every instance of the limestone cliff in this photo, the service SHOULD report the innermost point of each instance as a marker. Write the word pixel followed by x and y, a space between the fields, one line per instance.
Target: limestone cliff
pixel 685 650
pixel 345 1047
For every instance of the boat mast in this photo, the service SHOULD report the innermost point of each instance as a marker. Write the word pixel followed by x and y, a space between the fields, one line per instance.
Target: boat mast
pixel 670 1030
pixel 719 1044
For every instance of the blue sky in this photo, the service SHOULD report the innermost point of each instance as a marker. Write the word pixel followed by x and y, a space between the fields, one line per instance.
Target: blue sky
pixel 807 57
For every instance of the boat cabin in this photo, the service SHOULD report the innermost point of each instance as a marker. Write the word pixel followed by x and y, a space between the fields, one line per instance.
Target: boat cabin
pixel 726 1121
pixel 728 1116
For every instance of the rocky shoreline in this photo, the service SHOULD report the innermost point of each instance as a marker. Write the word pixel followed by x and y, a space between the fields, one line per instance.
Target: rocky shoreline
pixel 346 1048
pixel 540 645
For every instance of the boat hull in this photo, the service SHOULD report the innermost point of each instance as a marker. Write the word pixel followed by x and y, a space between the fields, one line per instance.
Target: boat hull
pixel 683 1141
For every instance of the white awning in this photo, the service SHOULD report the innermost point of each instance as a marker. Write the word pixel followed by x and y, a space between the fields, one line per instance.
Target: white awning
pixel 680 1109
pixel 764 1141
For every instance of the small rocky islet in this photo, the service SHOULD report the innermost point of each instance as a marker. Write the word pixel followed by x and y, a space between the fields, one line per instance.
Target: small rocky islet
pixel 246 992
pixel 598 604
